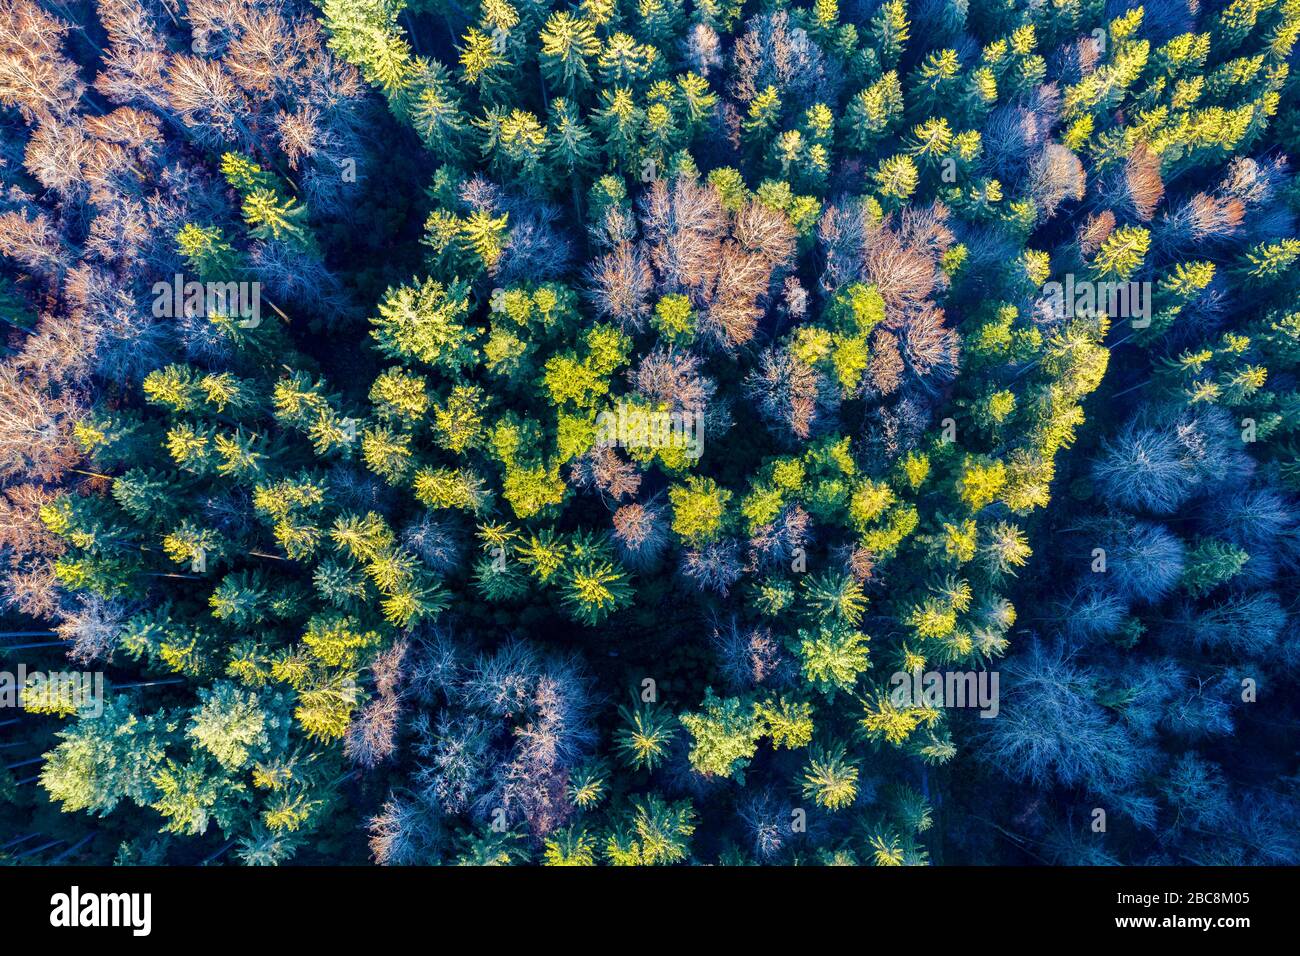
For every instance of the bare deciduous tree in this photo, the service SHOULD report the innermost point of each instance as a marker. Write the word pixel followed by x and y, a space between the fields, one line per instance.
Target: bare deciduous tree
pixel 620 286
pixel 35 425
pixel 35 76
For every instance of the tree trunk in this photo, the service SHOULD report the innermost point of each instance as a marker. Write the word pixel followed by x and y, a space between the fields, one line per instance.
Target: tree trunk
pixel 76 846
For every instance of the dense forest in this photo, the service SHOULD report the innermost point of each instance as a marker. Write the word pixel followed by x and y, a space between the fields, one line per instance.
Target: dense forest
pixel 635 432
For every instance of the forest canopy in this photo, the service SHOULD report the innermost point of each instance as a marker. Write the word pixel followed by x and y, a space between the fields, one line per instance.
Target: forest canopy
pixel 649 432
